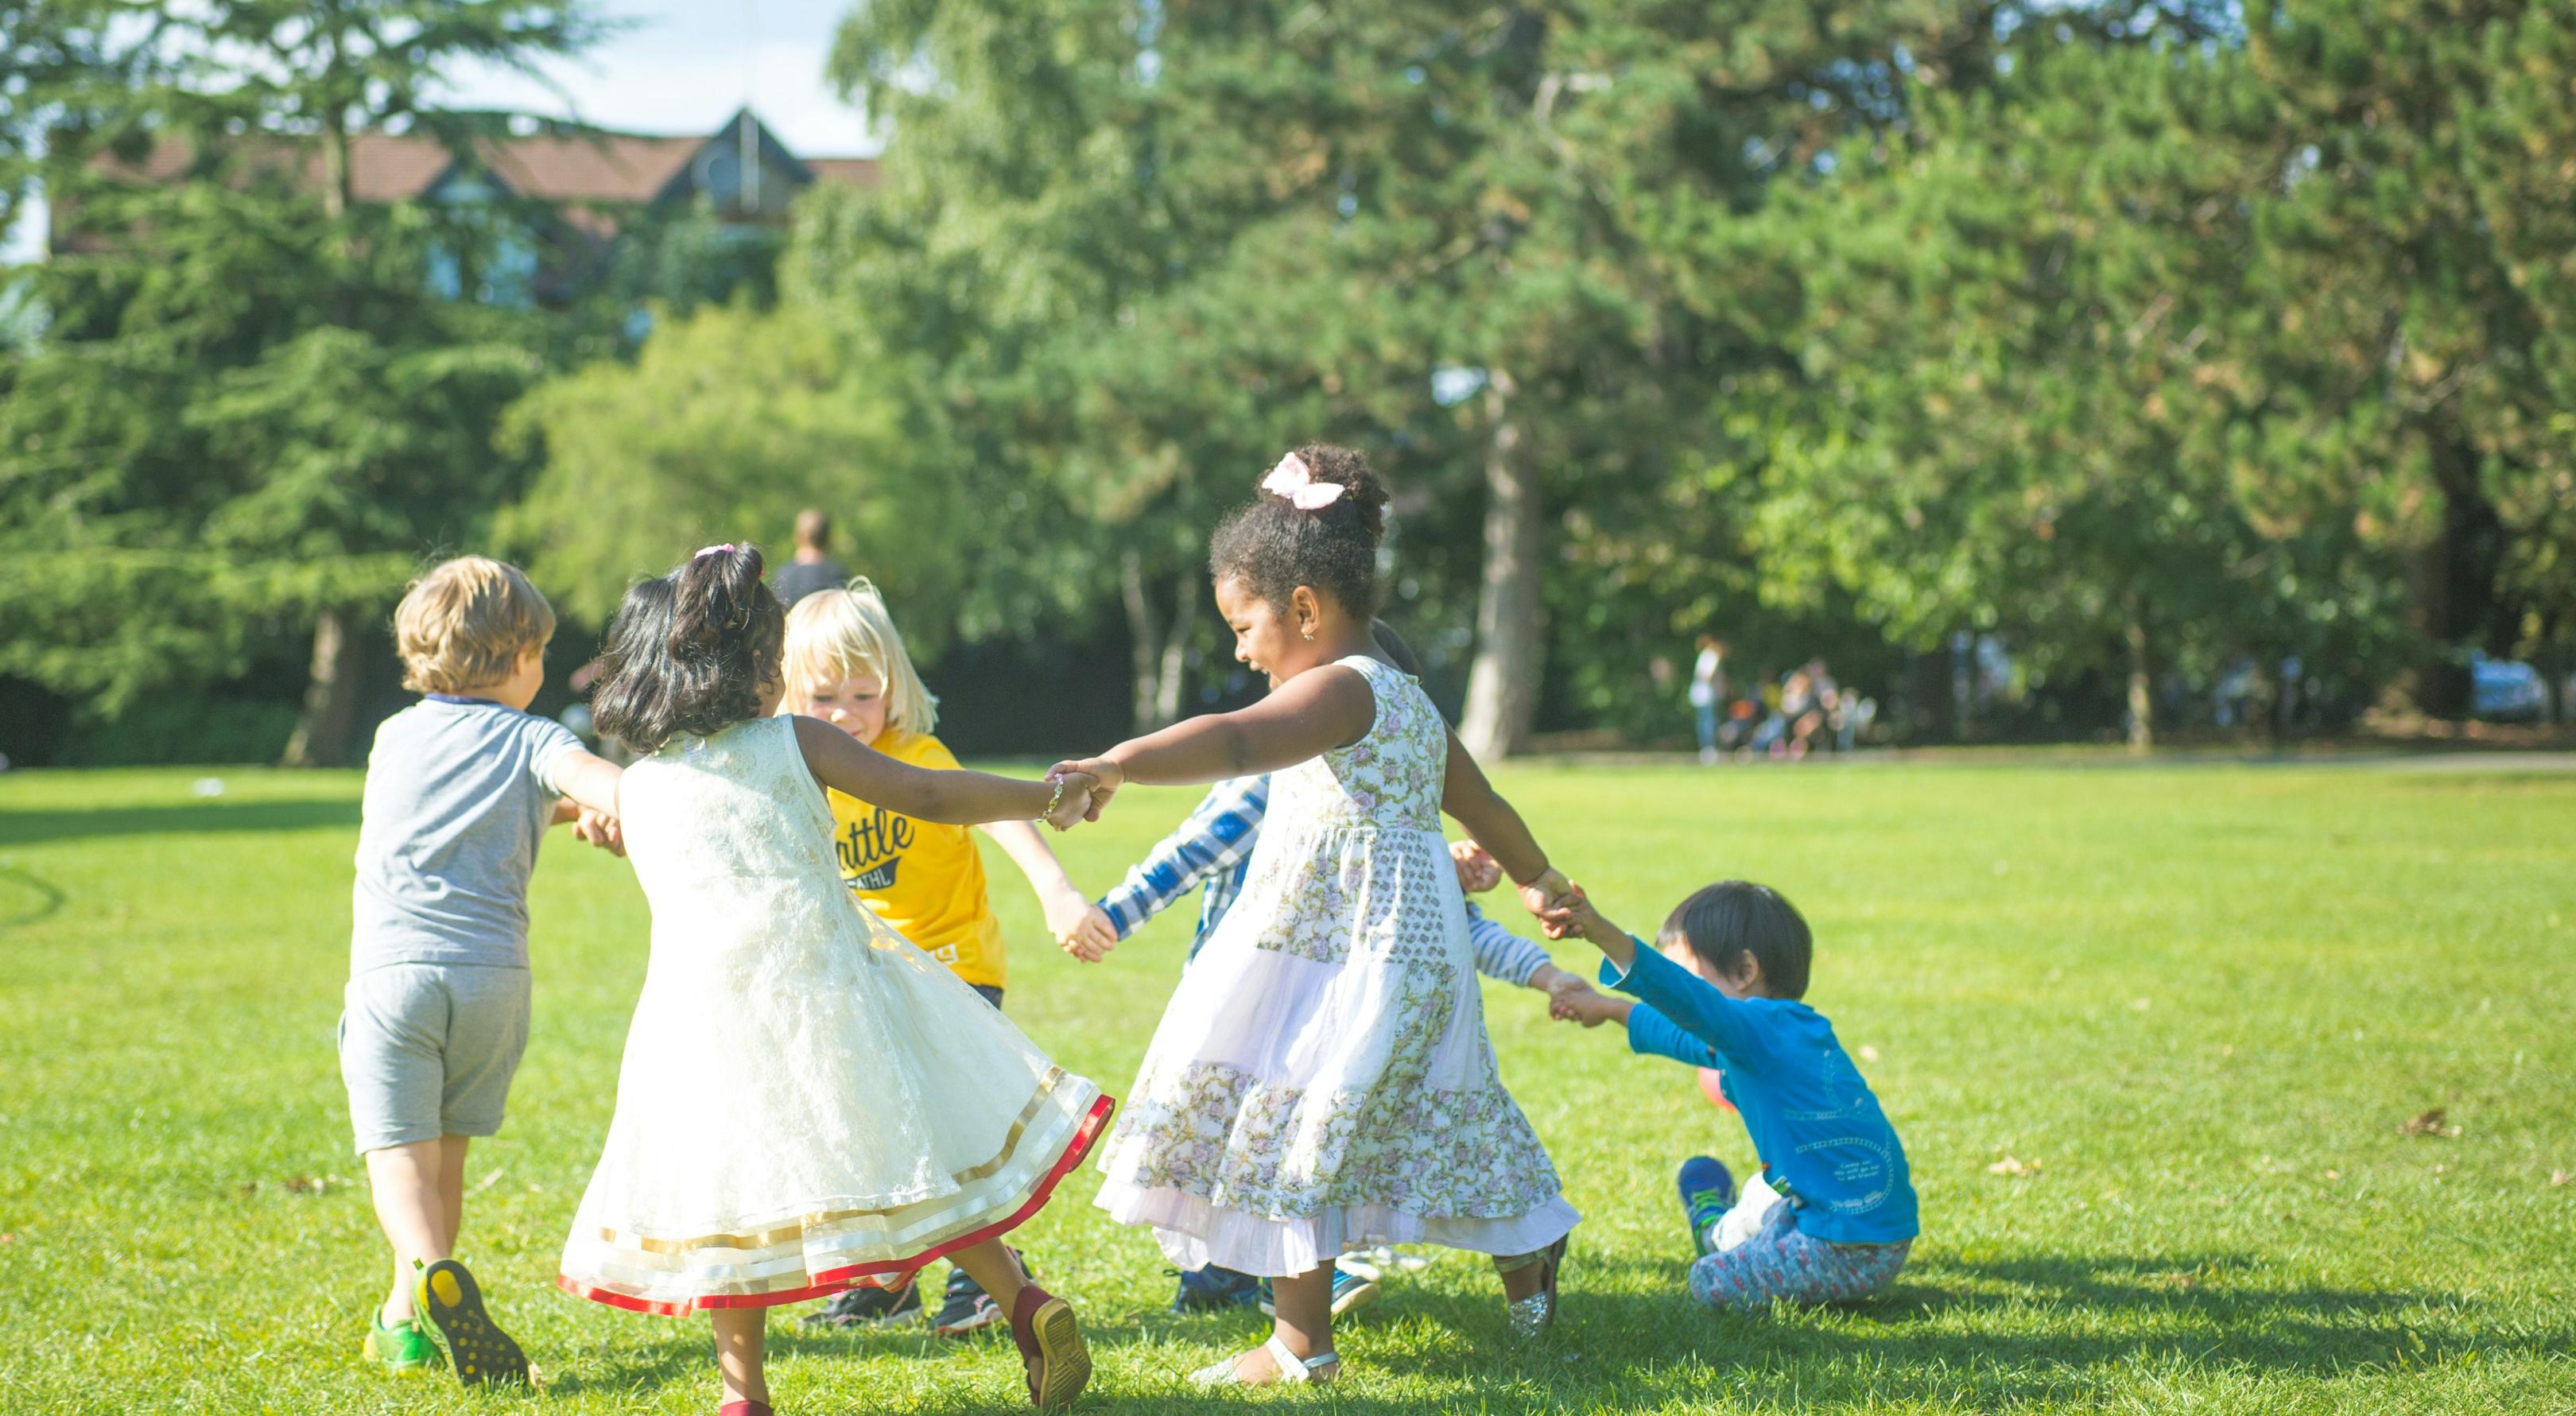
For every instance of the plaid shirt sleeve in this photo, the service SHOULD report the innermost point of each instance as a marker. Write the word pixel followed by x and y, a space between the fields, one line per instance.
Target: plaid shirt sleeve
pixel 1501 954
pixel 1216 836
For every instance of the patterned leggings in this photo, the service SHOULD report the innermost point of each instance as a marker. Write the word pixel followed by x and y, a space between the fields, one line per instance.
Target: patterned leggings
pixel 1776 1261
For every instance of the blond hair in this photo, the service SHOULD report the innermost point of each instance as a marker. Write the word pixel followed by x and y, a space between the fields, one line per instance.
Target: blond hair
pixel 464 624
pixel 832 634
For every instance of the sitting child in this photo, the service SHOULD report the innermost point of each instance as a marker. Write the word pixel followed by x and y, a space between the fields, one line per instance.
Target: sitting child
pixel 1832 1215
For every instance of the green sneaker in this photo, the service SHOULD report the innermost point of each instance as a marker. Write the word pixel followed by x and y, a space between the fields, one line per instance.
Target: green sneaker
pixel 401 1348
pixel 481 1352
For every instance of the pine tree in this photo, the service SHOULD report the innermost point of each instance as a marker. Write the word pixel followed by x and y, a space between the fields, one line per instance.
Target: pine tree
pixel 248 411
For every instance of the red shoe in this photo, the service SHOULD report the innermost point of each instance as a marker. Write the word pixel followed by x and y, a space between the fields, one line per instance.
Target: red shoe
pixel 1051 1348
pixel 745 1408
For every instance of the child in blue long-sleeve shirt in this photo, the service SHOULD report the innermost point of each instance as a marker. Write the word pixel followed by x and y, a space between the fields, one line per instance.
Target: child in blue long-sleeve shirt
pixel 1832 1216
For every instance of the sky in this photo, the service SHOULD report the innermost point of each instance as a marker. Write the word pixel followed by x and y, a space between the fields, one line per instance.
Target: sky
pixel 678 66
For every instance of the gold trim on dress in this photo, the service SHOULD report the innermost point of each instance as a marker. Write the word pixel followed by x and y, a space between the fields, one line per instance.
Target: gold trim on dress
pixel 796 1228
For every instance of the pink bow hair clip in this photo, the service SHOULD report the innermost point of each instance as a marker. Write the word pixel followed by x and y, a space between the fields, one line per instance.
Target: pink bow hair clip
pixel 1295 481
pixel 706 551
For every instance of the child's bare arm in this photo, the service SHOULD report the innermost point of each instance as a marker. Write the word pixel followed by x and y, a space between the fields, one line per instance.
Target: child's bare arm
pixel 1310 714
pixel 1469 798
pixel 1068 910
pixel 585 786
pixel 587 782
pixel 959 798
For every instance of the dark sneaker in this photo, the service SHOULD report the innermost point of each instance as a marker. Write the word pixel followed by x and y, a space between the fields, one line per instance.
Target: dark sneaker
pixel 1352 1291
pixel 1215 1290
pixel 476 1347
pixel 1708 1192
pixel 868 1307
pixel 966 1307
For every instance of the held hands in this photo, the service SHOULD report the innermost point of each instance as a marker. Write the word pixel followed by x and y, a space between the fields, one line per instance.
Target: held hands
pixel 1104 776
pixel 1077 797
pixel 1547 894
pixel 1081 928
pixel 1574 918
pixel 1478 871
pixel 1588 1007
pixel 601 830
pixel 1562 988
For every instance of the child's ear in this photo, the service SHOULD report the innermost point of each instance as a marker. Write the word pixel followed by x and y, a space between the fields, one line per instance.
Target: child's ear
pixel 1747 974
pixel 1305 611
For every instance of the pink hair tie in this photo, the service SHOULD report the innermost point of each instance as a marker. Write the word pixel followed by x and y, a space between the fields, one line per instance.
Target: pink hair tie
pixel 1293 480
pixel 707 551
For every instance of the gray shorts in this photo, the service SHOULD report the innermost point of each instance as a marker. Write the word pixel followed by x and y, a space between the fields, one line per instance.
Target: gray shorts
pixel 428 1050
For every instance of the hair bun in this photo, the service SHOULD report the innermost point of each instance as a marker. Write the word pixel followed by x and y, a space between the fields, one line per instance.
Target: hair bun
pixel 1364 494
pixel 718 595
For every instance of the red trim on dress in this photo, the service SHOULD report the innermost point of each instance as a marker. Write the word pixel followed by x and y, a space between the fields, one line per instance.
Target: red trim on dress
pixel 890 1273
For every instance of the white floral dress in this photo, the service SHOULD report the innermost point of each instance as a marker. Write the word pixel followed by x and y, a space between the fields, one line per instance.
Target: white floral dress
pixel 1321 1081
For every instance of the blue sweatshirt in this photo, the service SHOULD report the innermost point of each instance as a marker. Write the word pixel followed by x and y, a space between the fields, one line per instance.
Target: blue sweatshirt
pixel 1814 1121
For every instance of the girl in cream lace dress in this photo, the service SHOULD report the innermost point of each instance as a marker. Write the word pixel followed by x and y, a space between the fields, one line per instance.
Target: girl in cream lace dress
pixel 808 1102
pixel 1322 1081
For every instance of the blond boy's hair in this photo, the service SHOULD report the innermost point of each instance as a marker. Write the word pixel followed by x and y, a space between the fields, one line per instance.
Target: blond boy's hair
pixel 464 624
pixel 832 634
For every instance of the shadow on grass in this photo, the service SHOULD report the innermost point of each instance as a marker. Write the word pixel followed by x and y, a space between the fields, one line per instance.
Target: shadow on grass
pixel 2024 1329
pixel 25 898
pixel 31 828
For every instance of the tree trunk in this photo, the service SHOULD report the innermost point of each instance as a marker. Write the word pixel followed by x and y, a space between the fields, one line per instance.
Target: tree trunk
pixel 2142 696
pixel 1502 682
pixel 1145 644
pixel 1188 590
pixel 2454 584
pixel 330 715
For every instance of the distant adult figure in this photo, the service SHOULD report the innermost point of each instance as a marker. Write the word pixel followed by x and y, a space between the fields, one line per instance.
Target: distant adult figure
pixel 1708 692
pixel 813 568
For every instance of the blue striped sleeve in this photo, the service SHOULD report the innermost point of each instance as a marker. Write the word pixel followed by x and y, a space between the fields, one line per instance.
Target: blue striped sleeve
pixel 1219 833
pixel 1501 954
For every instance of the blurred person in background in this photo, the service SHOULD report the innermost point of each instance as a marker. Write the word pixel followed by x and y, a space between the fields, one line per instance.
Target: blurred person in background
pixel 1708 693
pixel 812 568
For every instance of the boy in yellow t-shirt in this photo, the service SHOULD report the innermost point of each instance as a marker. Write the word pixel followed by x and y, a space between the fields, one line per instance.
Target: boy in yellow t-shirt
pixel 846 664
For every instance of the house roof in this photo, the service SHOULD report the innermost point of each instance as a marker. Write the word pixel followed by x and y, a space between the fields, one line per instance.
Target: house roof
pixel 846 171
pixel 620 169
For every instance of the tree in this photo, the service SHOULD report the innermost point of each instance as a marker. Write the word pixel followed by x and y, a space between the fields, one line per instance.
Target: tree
pixel 728 423
pixel 1152 247
pixel 1024 273
pixel 245 384
pixel 2422 249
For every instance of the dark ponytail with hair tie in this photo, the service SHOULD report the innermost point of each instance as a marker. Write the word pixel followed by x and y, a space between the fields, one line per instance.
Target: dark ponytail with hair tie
pixel 691 652
pixel 718 594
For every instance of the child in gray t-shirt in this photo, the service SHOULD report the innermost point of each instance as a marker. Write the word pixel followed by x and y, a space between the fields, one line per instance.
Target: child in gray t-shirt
pixel 460 787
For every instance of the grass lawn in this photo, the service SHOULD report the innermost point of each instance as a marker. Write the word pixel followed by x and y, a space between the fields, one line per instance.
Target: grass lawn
pixel 2194 1005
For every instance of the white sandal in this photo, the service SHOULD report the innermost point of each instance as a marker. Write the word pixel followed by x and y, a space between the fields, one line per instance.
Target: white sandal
pixel 1293 1369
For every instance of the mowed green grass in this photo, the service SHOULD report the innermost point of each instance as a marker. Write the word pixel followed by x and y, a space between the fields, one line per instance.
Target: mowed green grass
pixel 2195 1005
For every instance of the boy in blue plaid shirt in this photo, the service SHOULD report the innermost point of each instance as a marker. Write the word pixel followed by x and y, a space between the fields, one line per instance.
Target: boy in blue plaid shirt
pixel 1211 849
